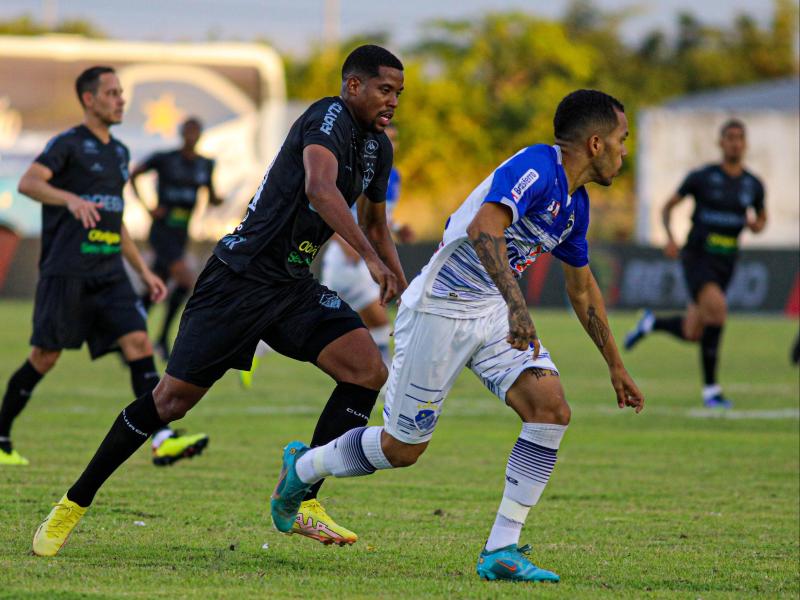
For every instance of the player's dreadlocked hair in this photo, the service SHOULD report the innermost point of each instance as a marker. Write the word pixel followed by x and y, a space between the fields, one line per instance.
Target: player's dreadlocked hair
pixel 365 61
pixel 585 111
pixel 89 80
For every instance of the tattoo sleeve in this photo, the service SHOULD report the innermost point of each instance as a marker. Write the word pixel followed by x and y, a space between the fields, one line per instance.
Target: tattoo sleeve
pixel 597 330
pixel 492 253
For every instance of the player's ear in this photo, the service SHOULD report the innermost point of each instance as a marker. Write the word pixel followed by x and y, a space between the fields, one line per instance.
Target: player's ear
pixel 353 85
pixel 594 145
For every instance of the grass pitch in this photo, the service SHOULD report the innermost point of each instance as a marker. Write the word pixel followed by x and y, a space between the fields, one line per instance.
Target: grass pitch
pixel 672 503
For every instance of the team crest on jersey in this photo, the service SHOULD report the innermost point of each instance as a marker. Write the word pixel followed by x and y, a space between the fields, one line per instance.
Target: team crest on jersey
pixel 527 180
pixel 425 419
pixel 330 300
pixel 371 147
pixel 90 147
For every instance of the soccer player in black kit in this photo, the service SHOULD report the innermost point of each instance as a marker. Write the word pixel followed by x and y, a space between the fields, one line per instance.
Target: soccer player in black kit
pixel 257 285
pixel 83 292
pixel 727 198
pixel 181 173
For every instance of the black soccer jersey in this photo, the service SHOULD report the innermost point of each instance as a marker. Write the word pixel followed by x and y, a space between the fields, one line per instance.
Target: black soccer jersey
pixel 281 232
pixel 179 178
pixel 721 204
pixel 85 166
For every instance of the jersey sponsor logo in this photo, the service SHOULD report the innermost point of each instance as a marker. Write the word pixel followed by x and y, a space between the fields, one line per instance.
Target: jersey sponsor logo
pixel 101 242
pixel 568 228
pixel 104 237
pixel 371 147
pixel 330 300
pixel 528 260
pixel 107 202
pixel 527 180
pixel 231 240
pixel 554 208
pixel 716 243
pixel 330 118
pixel 308 248
pixel 369 173
pixel 96 168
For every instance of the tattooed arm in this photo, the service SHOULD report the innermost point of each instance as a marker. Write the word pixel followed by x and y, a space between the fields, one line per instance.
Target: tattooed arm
pixel 587 300
pixel 486 233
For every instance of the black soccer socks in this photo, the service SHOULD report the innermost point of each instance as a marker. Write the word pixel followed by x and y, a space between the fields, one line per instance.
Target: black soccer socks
pixel 672 325
pixel 348 407
pixel 709 352
pixel 133 426
pixel 144 376
pixel 18 392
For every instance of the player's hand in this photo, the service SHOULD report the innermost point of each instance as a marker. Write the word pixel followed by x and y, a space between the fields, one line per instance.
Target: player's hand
pixel 384 277
pixel 671 249
pixel 755 226
pixel 628 393
pixel 521 330
pixel 86 212
pixel 155 286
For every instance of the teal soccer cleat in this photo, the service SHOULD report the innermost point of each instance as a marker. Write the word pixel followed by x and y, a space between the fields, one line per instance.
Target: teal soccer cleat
pixel 290 491
pixel 511 563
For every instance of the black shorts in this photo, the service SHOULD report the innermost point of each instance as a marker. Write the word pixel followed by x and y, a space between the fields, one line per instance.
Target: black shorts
pixel 700 268
pixel 169 246
pixel 228 314
pixel 71 310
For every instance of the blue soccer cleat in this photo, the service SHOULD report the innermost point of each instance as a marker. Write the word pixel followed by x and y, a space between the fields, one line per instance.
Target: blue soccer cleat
pixel 511 563
pixel 718 401
pixel 642 328
pixel 290 491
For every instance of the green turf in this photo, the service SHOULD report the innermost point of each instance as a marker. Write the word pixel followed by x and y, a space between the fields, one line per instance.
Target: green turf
pixel 669 503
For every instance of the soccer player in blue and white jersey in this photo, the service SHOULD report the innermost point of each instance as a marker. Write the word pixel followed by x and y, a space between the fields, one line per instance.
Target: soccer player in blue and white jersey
pixel 466 309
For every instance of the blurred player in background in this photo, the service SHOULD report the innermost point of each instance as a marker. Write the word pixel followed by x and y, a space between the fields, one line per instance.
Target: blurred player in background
pixel 257 285
pixel 181 174
pixel 466 309
pixel 727 199
pixel 84 294
pixel 344 271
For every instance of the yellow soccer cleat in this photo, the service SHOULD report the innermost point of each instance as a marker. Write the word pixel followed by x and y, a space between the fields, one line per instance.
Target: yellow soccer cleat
pixel 313 522
pixel 52 534
pixel 13 459
pixel 179 446
pixel 246 377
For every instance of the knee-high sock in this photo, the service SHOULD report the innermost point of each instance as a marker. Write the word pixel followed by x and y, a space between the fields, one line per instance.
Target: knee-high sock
pixel 130 430
pixel 709 352
pixel 18 392
pixel 381 337
pixel 174 304
pixel 527 473
pixel 348 407
pixel 144 375
pixel 357 452
pixel 672 325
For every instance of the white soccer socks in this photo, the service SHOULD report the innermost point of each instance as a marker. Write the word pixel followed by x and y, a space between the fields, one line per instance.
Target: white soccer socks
pixel 357 452
pixel 381 337
pixel 528 471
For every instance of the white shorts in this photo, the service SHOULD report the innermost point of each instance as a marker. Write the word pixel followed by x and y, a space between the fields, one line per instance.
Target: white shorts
pixel 351 281
pixel 429 353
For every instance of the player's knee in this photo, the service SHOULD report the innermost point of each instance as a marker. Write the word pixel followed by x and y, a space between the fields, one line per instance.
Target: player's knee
pixel 44 360
pixel 171 407
pixel 136 345
pixel 372 373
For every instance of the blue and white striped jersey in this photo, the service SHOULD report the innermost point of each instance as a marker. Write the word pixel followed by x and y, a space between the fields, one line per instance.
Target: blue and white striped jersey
pixel 532 183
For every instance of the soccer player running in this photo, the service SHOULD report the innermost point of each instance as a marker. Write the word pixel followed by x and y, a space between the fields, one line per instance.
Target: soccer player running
pixel 257 284
pixel 466 309
pixel 181 173
pixel 727 199
pixel 344 271
pixel 83 292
